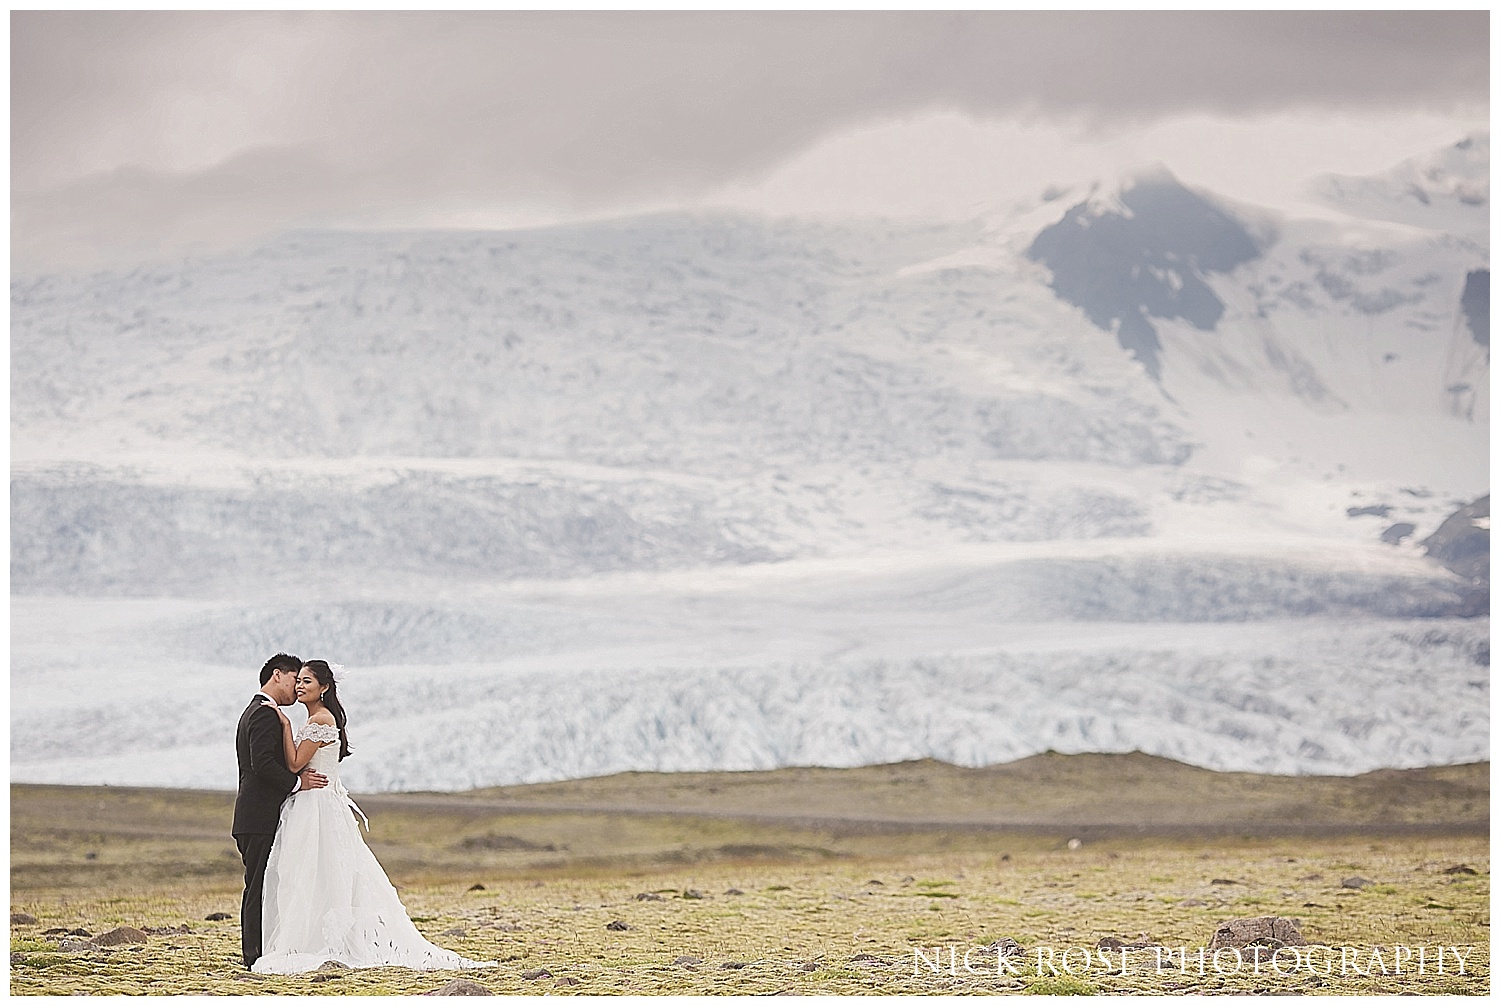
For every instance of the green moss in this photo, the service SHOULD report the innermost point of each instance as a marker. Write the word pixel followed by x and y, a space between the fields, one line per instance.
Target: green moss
pixel 27 944
pixel 40 961
pixel 1060 986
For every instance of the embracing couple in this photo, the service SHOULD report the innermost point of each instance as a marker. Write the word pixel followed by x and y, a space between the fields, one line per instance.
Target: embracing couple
pixel 313 890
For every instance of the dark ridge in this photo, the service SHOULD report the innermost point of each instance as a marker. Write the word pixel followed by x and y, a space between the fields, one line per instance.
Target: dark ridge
pixel 1048 793
pixel 1462 544
pixel 1148 262
pixel 1476 304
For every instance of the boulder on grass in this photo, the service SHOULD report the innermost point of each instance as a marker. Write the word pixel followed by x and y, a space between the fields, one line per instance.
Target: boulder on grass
pixel 1271 931
pixel 120 935
pixel 461 987
pixel 1143 942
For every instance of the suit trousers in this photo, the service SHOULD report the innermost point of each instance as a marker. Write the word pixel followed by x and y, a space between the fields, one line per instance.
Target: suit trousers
pixel 255 850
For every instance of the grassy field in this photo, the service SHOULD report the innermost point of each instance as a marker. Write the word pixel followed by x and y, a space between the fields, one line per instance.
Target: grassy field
pixel 803 880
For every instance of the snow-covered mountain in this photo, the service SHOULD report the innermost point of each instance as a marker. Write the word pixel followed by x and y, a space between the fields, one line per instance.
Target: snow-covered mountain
pixel 646 464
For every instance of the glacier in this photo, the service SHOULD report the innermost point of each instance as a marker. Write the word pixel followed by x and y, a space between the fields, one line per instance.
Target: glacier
pixel 706 490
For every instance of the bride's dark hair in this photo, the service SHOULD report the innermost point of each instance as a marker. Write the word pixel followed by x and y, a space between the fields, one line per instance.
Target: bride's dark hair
pixel 324 674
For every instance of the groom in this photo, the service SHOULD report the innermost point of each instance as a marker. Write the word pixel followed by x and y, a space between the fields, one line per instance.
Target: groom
pixel 265 782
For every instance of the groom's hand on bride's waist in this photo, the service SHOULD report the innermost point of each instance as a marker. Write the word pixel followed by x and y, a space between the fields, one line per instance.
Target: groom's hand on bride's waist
pixel 311 779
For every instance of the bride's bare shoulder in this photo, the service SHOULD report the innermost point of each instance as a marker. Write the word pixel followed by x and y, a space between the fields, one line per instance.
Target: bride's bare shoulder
pixel 322 716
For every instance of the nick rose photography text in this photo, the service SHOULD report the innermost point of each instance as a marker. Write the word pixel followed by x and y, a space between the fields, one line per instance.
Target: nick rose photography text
pixel 1074 961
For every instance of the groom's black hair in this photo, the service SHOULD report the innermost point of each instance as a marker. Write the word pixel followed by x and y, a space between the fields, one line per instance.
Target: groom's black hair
pixel 280 662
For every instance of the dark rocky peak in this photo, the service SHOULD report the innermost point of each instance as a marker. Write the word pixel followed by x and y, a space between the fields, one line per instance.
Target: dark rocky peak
pixel 1476 305
pixel 1462 542
pixel 1143 256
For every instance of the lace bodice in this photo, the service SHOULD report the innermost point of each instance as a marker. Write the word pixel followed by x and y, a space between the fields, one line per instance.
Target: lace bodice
pixel 326 758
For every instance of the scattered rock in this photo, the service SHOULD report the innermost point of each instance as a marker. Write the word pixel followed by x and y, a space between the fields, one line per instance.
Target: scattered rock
pixel 687 959
pixel 908 880
pixel 1006 947
pixel 877 883
pixel 74 946
pixel 1311 876
pixel 1191 903
pixel 1267 931
pixel 567 980
pixel 810 966
pixel 1075 844
pixel 736 890
pixel 1005 858
pixel 479 887
pixel 1115 943
pixel 863 958
pixel 1460 868
pixel 119 935
pixel 693 895
pixel 54 931
pixel 333 966
pixel 460 987
pixel 326 978
pixel 90 855
pixel 1381 510
pixel 617 926
pixel 1356 882
pixel 456 931
pixel 1221 880
pixel 536 973
pixel 166 930
pixel 506 927
pixel 648 896
pixel 1312 904
pixel 217 917
pixel 732 965
pixel 250 976
pixel 26 919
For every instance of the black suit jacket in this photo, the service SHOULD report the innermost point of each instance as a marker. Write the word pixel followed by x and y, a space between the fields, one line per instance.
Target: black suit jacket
pixel 265 781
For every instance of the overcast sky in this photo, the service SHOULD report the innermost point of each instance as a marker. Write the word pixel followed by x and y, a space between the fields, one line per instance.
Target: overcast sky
pixel 140 131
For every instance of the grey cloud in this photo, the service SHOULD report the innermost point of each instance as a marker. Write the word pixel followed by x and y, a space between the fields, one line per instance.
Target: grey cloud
pixel 152 129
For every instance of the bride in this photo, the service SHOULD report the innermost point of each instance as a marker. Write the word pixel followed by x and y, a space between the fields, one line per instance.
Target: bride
pixel 326 896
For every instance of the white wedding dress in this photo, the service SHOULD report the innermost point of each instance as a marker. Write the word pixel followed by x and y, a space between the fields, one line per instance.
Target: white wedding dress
pixel 326 896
